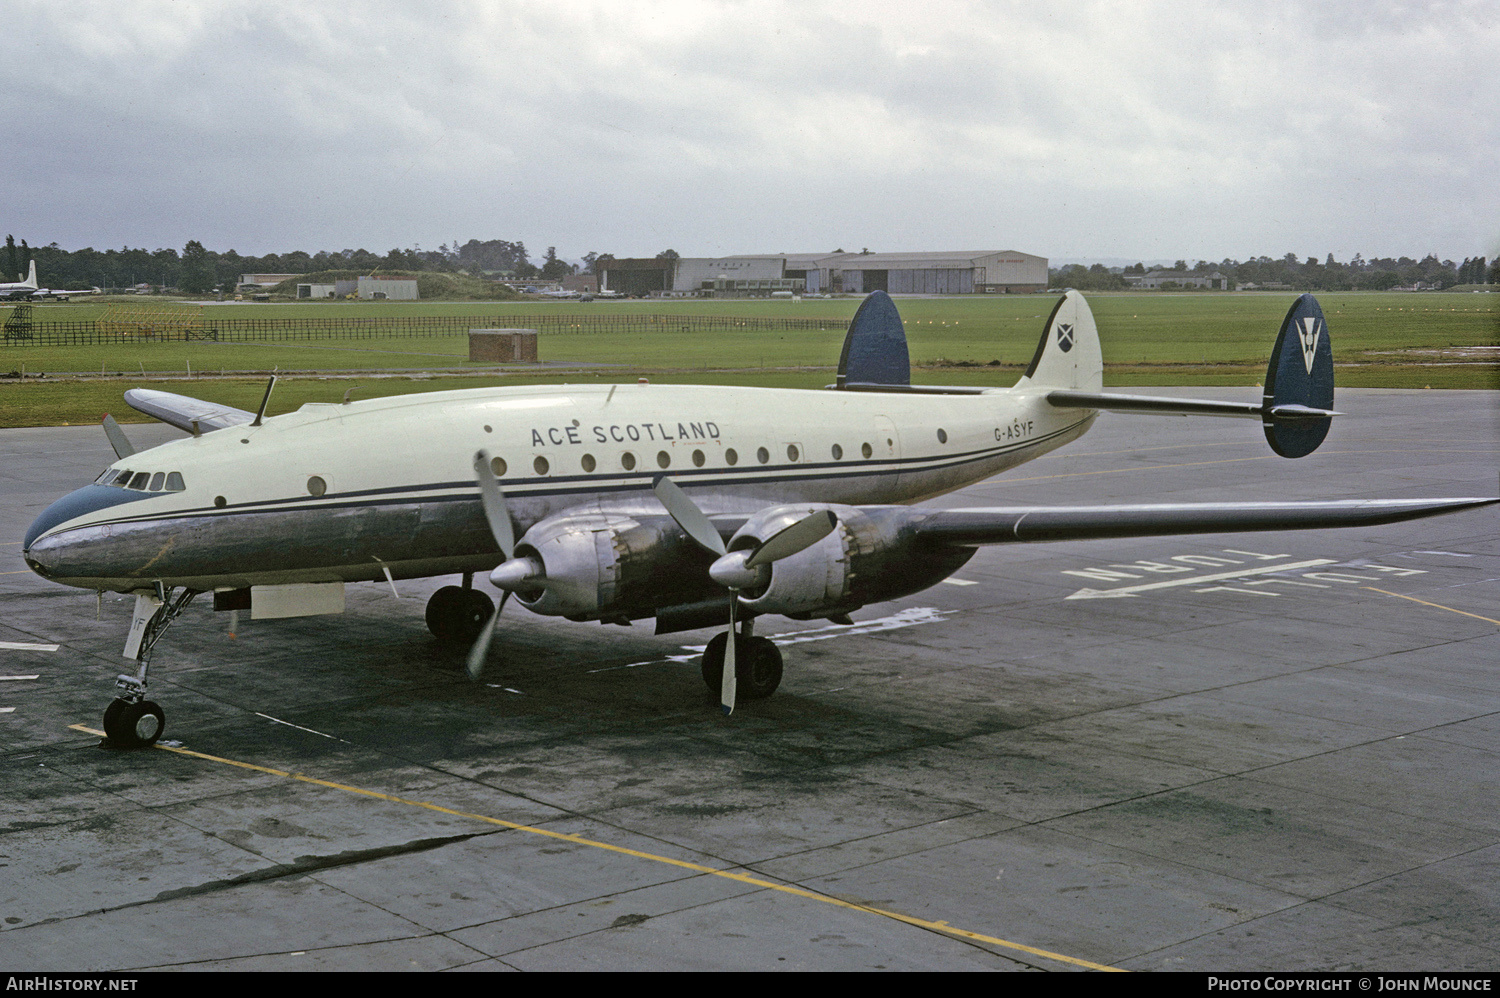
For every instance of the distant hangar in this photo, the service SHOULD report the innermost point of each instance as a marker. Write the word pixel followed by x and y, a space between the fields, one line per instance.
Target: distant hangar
pixel 939 273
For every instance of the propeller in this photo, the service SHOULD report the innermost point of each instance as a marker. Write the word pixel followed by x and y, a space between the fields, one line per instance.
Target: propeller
pixel 122 446
pixel 741 569
pixel 511 573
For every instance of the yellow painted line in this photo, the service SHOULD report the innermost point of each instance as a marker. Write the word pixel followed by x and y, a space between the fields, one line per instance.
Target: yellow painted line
pixel 1440 606
pixel 939 926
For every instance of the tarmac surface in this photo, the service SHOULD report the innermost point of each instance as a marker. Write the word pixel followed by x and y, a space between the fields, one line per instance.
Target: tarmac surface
pixel 1264 751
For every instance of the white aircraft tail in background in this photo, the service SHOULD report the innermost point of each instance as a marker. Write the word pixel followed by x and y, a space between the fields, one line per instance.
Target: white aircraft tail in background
pixel 27 290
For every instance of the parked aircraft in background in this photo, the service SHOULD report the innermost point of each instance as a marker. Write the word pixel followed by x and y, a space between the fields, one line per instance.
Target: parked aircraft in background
pixel 695 506
pixel 27 290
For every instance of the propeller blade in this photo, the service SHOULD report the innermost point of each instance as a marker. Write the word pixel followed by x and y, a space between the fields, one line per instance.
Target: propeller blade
pixel 789 540
pixel 693 521
pixel 493 498
pixel 727 683
pixel 117 439
pixel 481 648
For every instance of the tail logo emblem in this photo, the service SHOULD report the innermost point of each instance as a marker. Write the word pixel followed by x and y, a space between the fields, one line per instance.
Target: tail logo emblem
pixel 1065 336
pixel 1309 336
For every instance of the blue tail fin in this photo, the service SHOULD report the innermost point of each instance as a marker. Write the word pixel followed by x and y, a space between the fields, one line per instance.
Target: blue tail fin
pixel 1300 374
pixel 875 347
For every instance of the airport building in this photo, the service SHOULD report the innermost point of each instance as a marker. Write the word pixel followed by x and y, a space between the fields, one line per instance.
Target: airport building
pixel 762 275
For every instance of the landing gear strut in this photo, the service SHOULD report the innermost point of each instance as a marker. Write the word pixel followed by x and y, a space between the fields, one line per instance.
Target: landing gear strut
pixel 132 721
pixel 757 664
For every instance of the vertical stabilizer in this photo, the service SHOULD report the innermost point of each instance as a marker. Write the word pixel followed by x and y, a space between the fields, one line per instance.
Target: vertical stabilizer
pixel 875 346
pixel 1067 356
pixel 1300 374
pixel 30 281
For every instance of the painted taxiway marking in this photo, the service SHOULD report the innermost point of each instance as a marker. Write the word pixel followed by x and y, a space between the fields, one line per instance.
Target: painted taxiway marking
pixel 1440 606
pixel 1197 579
pixel 744 878
pixel 27 646
pixel 5 678
pixel 959 582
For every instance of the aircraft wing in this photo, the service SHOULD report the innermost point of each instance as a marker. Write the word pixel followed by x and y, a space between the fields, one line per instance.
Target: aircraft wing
pixel 182 412
pixel 1010 524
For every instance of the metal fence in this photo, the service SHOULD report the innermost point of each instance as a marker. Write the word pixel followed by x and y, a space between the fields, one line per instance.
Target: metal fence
pixel 30 332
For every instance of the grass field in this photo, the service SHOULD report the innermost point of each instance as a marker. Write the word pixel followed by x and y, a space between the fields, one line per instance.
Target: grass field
pixel 1380 340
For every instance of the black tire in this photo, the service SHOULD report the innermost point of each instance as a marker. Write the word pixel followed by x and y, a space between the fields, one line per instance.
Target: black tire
pixel 757 666
pixel 713 663
pixel 456 615
pixel 112 717
pixel 134 725
pixel 757 670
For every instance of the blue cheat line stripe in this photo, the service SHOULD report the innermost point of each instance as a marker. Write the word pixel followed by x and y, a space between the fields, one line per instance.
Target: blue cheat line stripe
pixel 401 494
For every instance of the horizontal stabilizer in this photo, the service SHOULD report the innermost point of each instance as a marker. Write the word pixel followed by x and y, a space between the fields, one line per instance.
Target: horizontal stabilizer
pixel 1000 525
pixel 863 386
pixel 183 412
pixel 1164 406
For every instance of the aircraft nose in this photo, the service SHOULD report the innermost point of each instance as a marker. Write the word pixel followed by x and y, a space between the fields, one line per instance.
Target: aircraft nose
pixel 41 556
pixel 42 553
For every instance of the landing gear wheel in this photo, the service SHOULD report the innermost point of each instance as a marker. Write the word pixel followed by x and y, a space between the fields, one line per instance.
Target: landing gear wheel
pixel 713 663
pixel 757 666
pixel 456 615
pixel 757 670
pixel 133 725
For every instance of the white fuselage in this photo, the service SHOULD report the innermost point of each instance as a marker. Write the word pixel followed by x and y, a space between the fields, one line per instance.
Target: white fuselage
pixel 343 492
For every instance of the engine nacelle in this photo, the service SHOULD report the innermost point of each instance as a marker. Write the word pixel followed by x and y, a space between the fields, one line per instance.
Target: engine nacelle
pixel 872 555
pixel 612 566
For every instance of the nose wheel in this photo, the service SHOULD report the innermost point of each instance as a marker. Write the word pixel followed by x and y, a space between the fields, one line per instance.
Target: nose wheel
pixel 131 721
pixel 133 724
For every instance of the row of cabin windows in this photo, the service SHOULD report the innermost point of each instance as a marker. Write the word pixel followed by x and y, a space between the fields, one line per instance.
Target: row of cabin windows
pixel 142 481
pixel 628 459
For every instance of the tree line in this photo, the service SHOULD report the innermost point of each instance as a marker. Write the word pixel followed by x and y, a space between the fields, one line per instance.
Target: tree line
pixel 1358 274
pixel 198 270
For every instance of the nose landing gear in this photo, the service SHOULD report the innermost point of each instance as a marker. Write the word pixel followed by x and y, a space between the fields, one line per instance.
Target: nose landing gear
pixel 131 721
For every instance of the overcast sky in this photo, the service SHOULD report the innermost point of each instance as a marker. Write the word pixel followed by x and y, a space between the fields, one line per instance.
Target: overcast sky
pixel 1071 130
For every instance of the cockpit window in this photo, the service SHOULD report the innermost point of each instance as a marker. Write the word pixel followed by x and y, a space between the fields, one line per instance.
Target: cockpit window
pixel 144 481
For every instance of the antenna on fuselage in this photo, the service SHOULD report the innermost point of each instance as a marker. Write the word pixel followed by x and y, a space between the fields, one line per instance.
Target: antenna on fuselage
pixel 265 401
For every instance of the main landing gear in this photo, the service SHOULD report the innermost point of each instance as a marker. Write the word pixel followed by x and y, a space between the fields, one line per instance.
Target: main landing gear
pixel 456 614
pixel 131 721
pixel 757 664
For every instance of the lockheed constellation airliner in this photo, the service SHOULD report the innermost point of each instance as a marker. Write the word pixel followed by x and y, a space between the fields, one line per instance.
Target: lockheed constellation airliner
pixel 695 506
